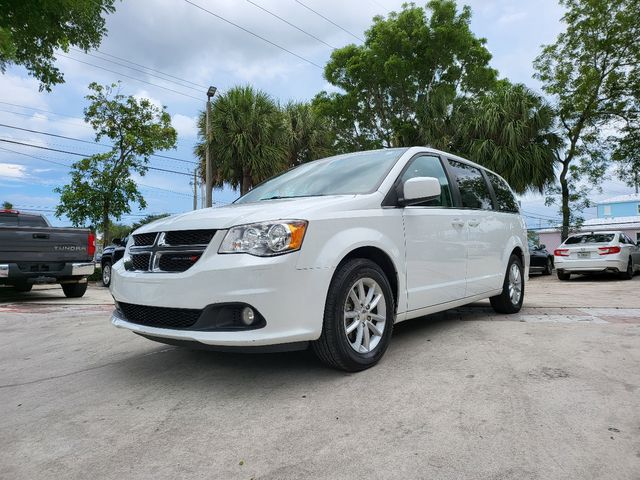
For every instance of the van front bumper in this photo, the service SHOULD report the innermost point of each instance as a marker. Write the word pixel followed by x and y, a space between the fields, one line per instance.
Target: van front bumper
pixel 290 300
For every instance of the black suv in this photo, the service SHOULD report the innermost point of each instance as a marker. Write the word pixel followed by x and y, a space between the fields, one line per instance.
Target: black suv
pixel 541 260
pixel 110 255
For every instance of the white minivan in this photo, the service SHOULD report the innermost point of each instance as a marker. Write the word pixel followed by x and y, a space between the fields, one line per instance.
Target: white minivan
pixel 329 254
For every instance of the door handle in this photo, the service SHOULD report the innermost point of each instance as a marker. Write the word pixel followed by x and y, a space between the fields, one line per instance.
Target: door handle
pixel 40 236
pixel 474 223
pixel 457 222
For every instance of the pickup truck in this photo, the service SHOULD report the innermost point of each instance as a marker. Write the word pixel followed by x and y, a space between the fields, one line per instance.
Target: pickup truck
pixel 110 255
pixel 32 251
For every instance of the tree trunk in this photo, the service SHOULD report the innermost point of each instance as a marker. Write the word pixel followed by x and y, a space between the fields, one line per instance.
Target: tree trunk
pixel 105 226
pixel 566 214
pixel 246 182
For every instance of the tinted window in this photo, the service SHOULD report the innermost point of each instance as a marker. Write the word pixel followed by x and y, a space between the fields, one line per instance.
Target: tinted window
pixel 425 166
pixel 32 221
pixel 348 174
pixel 473 188
pixel 8 219
pixel 504 195
pixel 590 238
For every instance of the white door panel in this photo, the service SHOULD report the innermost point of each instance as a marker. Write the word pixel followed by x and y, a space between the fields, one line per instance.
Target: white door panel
pixel 436 257
pixel 488 233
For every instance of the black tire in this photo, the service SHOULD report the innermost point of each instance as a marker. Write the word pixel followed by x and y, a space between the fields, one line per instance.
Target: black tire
pixel 334 347
pixel 628 274
pixel 74 290
pixel 23 287
pixel 504 303
pixel 106 273
pixel 548 270
pixel 563 276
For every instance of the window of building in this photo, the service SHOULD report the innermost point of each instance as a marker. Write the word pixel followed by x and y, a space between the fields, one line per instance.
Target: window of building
pixel 607 210
pixel 473 187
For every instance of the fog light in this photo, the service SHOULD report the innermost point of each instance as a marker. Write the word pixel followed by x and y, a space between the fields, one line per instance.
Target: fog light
pixel 248 316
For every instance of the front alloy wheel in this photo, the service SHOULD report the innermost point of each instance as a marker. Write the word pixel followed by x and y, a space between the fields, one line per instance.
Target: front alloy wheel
pixel 106 274
pixel 358 317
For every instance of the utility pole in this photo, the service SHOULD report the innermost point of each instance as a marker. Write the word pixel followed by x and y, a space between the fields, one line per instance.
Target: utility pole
pixel 195 188
pixel 209 174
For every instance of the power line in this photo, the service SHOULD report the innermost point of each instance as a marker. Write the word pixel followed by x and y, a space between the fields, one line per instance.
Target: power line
pixel 128 76
pixel 254 34
pixel 328 20
pixel 136 69
pixel 85 156
pixel 153 70
pixel 33 156
pixel 86 141
pixel 291 24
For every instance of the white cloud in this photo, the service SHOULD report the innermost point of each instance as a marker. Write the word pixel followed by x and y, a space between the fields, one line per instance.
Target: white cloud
pixel 186 126
pixel 12 170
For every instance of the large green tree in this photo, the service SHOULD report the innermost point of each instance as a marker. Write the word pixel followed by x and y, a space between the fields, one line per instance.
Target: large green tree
pixel 398 87
pixel 248 138
pixel 308 133
pixel 101 185
pixel 31 31
pixel 510 130
pixel 592 72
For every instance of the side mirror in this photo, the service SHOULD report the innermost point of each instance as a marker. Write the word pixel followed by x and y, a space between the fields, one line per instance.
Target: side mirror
pixel 420 189
pixel 542 247
pixel 117 241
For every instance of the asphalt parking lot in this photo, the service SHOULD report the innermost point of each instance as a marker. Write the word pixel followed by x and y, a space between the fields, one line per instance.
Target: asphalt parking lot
pixel 550 393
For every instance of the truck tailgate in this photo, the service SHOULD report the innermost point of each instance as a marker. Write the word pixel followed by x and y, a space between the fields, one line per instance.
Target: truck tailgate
pixel 50 244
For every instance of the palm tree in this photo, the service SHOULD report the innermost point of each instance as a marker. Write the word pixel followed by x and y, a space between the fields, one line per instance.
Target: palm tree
pixel 510 131
pixel 309 135
pixel 248 138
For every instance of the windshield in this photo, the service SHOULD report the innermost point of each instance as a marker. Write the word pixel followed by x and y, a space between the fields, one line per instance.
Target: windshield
pixel 348 174
pixel 590 238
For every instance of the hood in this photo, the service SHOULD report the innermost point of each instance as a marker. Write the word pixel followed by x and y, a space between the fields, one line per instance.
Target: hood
pixel 221 218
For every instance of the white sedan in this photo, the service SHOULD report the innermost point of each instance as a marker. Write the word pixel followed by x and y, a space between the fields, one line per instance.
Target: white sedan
pixel 597 252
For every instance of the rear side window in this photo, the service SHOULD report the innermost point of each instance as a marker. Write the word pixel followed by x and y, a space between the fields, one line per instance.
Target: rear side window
pixel 427 166
pixel 31 221
pixel 8 219
pixel 473 187
pixel 504 195
pixel 590 238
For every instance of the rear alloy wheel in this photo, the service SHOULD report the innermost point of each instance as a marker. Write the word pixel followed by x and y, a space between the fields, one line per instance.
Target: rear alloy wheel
pixel 563 276
pixel 548 270
pixel 628 274
pixel 512 296
pixel 74 290
pixel 106 274
pixel 358 317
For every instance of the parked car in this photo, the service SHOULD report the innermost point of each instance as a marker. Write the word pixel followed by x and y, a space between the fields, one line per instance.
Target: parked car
pixel 541 261
pixel 597 252
pixel 110 255
pixel 331 253
pixel 32 251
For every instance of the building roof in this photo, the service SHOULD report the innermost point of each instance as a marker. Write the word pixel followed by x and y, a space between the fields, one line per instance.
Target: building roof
pixel 601 224
pixel 632 197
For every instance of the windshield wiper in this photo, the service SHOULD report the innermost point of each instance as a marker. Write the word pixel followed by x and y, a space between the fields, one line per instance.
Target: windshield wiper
pixel 277 197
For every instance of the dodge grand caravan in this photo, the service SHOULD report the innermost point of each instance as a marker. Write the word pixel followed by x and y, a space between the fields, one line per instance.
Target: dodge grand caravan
pixel 329 254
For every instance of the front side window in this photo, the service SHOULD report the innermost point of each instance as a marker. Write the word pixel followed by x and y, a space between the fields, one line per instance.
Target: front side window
pixel 428 166
pixel 473 187
pixel 504 195
pixel 349 174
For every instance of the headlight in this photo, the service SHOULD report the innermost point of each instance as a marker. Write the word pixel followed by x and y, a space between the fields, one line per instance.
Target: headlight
pixel 265 239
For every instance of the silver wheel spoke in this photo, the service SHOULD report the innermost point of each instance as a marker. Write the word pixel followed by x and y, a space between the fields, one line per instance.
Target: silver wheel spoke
pixel 374 329
pixel 375 301
pixel 353 326
pixel 358 340
pixel 367 338
pixel 351 314
pixel 370 294
pixel 361 294
pixel 354 298
pixel 377 317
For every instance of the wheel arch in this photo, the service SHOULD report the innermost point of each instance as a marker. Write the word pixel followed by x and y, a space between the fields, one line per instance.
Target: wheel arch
pixel 380 258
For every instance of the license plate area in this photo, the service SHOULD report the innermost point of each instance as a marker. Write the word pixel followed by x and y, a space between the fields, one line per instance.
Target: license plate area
pixel 584 254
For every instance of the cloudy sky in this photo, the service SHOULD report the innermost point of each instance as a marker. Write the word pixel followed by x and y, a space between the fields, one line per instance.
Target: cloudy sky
pixel 188 49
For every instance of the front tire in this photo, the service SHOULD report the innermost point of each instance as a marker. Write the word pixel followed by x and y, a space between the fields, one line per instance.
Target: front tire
pixel 106 273
pixel 358 317
pixel 512 296
pixel 549 268
pixel 74 290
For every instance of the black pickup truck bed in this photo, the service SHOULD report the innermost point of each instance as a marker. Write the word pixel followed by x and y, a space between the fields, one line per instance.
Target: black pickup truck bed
pixel 31 251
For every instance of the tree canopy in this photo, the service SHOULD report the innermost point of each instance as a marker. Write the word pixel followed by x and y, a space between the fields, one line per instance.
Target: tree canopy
pixel 592 72
pixel 101 185
pixel 31 31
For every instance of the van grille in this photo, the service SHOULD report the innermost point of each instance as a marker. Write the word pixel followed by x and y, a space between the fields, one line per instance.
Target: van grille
pixel 144 239
pixel 141 261
pixel 189 237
